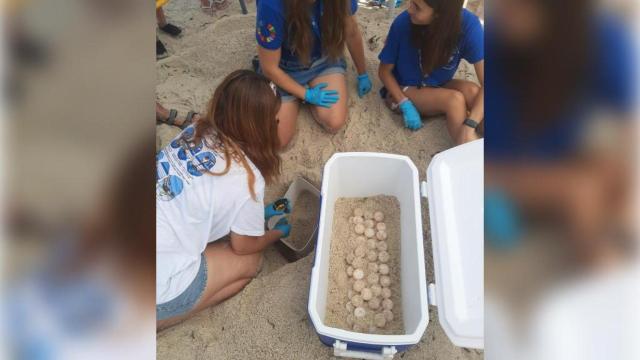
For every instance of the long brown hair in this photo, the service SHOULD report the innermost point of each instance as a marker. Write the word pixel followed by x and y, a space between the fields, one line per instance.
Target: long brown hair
pixel 437 41
pixel 241 121
pixel 332 25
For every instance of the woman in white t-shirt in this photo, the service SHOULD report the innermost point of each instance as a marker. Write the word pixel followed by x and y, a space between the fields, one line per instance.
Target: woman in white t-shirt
pixel 210 183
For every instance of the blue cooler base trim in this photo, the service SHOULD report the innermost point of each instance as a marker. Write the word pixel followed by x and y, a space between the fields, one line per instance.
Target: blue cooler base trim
pixel 329 341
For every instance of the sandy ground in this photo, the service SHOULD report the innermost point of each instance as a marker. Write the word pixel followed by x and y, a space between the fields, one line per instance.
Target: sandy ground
pixel 268 319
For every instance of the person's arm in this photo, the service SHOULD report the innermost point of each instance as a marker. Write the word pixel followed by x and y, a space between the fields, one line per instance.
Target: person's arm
pixel 355 45
pixel 385 72
pixel 245 245
pixel 270 65
pixel 477 110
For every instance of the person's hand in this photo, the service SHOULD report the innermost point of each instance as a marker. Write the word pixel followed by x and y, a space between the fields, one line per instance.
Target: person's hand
pixel 410 115
pixel 271 209
pixel 284 226
pixel 364 84
pixel 324 98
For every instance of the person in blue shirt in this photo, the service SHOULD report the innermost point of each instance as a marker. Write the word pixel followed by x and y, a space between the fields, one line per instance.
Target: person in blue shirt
pixel 301 45
pixel 422 52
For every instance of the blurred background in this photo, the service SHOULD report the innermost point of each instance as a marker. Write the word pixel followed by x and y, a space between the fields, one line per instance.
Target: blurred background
pixel 561 151
pixel 78 155
pixel 561 186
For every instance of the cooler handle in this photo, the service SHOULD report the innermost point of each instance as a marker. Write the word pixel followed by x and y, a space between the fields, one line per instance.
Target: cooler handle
pixel 340 350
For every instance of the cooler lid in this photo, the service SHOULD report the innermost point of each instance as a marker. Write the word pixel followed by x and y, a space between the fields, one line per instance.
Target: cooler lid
pixel 455 192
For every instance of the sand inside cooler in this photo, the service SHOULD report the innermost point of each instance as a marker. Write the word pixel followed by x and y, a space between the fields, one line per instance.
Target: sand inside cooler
pixel 340 310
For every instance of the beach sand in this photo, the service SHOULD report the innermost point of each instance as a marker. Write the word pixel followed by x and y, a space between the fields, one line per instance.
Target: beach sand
pixel 268 319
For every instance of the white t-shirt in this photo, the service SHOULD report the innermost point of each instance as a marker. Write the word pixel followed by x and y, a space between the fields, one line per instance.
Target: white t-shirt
pixel 194 208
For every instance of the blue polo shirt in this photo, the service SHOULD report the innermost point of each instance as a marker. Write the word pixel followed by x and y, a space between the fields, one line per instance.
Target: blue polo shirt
pixel 399 51
pixel 271 28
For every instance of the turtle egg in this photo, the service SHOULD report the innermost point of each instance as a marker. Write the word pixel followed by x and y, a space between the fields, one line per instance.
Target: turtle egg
pixel 350 258
pixel 366 294
pixel 372 255
pixel 373 279
pixel 369 224
pixel 376 290
pixel 378 216
pixel 358 212
pixel 358 274
pixel 371 244
pixel 381 226
pixel 368 215
pixel 385 281
pixel 358 220
pixel 387 304
pixel 360 251
pixel 350 270
pixel 359 229
pixel 386 292
pixel 383 269
pixel 374 303
pixel 356 301
pixel 358 285
pixel 380 320
pixel 349 306
pixel 372 267
pixel 383 256
pixel 388 315
pixel 359 312
pixel 369 233
pixel 381 235
pixel 360 240
pixel 381 246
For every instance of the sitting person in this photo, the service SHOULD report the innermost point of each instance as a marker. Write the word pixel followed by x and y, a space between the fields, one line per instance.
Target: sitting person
pixel 422 53
pixel 210 184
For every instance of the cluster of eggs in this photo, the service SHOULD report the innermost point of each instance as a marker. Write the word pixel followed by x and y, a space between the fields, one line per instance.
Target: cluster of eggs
pixel 369 297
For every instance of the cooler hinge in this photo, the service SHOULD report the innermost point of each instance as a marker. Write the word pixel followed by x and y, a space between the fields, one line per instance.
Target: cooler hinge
pixel 423 189
pixel 431 294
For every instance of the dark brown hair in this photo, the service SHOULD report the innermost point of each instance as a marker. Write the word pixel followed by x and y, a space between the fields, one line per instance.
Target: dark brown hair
pixel 241 121
pixel 332 24
pixel 437 41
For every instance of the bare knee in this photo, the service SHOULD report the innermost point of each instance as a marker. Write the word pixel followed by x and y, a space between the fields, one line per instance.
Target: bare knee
pixel 471 92
pixel 456 106
pixel 333 122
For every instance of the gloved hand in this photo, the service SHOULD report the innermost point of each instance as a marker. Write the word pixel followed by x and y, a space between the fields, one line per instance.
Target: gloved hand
pixel 271 211
pixel 284 226
pixel 364 84
pixel 410 115
pixel 324 98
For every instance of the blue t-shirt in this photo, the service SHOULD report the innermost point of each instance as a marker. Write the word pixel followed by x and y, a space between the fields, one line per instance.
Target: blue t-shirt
pixel 607 83
pixel 399 51
pixel 271 28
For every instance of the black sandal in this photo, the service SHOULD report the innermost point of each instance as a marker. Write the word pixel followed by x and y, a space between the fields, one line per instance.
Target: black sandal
pixel 171 30
pixel 173 114
pixel 188 120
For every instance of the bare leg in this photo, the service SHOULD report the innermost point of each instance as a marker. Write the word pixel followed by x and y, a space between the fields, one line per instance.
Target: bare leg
pixel 469 89
pixel 228 273
pixel 432 101
pixel 335 117
pixel 287 119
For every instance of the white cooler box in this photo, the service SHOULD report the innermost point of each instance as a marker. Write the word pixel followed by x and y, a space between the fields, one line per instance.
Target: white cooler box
pixel 455 192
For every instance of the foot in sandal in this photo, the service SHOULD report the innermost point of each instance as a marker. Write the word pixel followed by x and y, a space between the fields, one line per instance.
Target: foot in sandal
pixel 170 117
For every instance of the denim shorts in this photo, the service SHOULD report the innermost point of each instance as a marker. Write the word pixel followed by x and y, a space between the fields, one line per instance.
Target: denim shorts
pixel 189 297
pixel 303 74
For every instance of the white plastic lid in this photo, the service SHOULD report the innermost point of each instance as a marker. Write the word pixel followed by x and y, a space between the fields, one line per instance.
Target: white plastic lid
pixel 455 191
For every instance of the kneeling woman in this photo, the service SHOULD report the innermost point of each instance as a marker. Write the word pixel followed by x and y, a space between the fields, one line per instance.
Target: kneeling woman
pixel 420 57
pixel 210 184
pixel 301 45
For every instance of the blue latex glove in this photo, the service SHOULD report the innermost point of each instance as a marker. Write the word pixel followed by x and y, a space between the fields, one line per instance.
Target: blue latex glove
pixel 410 115
pixel 270 210
pixel 284 226
pixel 501 220
pixel 364 84
pixel 324 98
